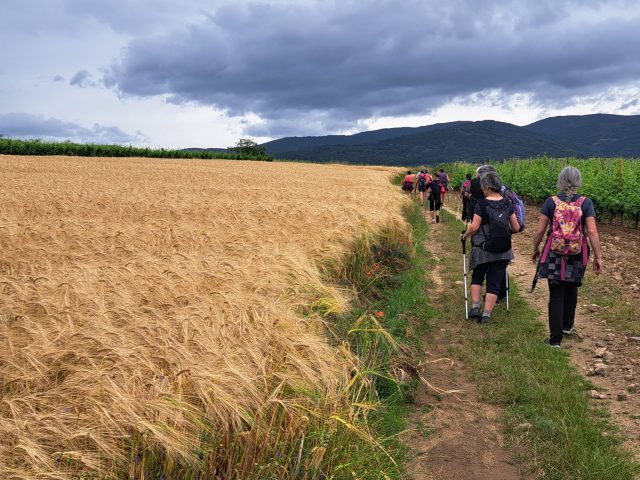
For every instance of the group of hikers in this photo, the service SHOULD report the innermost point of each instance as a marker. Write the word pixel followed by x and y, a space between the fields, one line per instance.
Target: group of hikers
pixel 431 188
pixel 493 213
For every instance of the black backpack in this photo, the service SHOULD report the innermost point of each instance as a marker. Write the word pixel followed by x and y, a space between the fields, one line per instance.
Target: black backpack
pixel 498 230
pixel 436 187
pixel 422 180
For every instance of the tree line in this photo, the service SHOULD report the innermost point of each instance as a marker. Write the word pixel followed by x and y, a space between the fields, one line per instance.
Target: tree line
pixel 245 149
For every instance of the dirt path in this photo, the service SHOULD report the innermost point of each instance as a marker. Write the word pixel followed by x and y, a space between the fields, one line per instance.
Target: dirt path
pixel 455 436
pixel 596 342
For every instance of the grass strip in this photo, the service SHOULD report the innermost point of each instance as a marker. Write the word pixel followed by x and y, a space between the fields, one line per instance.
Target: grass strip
pixel 402 309
pixel 558 433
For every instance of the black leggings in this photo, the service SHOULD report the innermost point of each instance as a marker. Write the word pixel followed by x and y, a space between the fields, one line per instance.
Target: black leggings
pixel 465 205
pixel 494 272
pixel 563 298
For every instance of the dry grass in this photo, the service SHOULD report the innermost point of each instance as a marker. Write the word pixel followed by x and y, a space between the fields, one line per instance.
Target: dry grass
pixel 151 314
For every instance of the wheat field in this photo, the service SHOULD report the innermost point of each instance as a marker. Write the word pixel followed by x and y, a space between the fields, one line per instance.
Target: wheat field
pixel 161 312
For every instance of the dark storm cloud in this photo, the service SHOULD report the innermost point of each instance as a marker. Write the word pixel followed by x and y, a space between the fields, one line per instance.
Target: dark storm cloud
pixel 24 125
pixel 82 79
pixel 325 65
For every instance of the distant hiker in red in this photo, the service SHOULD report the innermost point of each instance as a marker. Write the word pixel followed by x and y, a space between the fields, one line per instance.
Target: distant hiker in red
pixel 407 183
pixel 444 180
pixel 571 220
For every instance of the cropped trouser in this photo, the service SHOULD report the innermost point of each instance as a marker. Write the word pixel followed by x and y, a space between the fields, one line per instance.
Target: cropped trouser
pixel 563 298
pixel 494 272
pixel 465 205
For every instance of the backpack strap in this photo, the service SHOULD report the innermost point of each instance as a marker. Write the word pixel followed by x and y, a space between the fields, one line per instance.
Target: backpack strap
pixel 545 250
pixel 580 201
pixel 556 200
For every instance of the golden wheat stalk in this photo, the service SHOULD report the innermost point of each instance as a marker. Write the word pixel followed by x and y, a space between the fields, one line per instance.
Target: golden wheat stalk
pixel 166 315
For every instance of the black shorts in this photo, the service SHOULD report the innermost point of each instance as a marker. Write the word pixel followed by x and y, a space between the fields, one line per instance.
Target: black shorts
pixel 434 204
pixel 422 189
pixel 494 272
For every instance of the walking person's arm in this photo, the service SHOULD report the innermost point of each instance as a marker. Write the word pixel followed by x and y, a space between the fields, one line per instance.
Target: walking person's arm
pixel 594 241
pixel 472 227
pixel 543 223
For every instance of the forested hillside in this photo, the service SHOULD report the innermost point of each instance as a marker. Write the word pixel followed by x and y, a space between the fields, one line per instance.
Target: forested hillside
pixel 578 136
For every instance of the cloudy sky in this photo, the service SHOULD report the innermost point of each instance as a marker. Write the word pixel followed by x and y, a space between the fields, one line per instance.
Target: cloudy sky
pixel 206 72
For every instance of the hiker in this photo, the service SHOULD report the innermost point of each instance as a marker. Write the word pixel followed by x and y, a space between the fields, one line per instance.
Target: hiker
pixel 421 184
pixel 475 190
pixel 444 180
pixel 570 220
pixel 434 192
pixel 493 223
pixel 465 194
pixel 407 183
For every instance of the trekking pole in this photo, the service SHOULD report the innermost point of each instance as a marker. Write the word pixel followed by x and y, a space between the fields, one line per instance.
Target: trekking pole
pixel 506 272
pixel 426 200
pixel 464 269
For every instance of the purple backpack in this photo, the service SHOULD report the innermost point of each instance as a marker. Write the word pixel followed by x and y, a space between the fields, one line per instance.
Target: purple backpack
pixel 518 205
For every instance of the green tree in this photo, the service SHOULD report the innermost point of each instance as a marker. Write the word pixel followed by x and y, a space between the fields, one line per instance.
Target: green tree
pixel 248 147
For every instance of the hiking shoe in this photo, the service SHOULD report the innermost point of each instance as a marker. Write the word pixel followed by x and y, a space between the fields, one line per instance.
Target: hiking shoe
pixel 571 331
pixel 484 320
pixel 474 313
pixel 553 345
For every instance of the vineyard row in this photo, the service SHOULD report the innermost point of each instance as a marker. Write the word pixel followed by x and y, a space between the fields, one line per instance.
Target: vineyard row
pixel 612 183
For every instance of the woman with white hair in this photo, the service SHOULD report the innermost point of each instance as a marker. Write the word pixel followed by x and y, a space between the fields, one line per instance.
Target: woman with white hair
pixel 570 220
pixel 494 221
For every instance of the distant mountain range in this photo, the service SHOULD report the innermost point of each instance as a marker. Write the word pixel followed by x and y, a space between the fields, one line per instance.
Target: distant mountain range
pixel 576 135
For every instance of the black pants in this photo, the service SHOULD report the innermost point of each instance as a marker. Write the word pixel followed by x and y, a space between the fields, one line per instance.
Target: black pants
pixel 563 298
pixel 494 273
pixel 471 208
pixel 503 287
pixel 465 204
